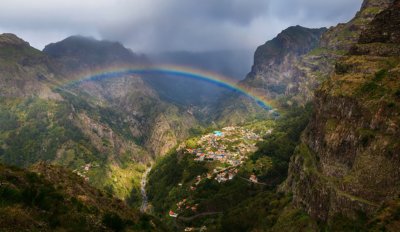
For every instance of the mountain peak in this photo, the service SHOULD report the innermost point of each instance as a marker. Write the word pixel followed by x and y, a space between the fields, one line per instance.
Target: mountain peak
pixel 80 53
pixel 82 44
pixel 375 3
pixel 11 39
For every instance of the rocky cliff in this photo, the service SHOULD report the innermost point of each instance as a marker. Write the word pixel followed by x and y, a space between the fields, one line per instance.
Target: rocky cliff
pixel 292 65
pixel 273 72
pixel 289 68
pixel 272 75
pixel 317 65
pixel 348 161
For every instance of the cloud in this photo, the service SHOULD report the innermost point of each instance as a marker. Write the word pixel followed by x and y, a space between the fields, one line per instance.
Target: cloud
pixel 167 25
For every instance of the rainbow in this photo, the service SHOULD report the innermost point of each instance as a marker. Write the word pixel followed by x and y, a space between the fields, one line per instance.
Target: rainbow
pixel 172 70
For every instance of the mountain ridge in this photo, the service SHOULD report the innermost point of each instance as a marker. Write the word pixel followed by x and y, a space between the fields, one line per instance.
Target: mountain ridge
pixel 348 159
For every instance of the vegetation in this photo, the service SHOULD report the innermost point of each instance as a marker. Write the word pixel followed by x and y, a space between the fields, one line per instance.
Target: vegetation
pixel 54 199
pixel 34 130
pixel 244 205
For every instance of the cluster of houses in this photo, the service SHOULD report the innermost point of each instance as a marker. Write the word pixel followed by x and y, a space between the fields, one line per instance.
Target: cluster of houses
pixel 229 146
pixel 226 175
pixel 183 205
pixel 85 170
pixel 203 228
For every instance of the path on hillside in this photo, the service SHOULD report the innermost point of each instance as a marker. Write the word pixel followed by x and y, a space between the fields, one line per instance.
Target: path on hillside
pixel 143 183
pixel 259 183
pixel 186 219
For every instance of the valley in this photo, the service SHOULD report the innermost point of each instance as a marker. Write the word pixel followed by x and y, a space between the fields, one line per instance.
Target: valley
pixel 97 137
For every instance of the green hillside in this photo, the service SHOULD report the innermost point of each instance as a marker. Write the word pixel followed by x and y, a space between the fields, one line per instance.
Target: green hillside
pixel 51 198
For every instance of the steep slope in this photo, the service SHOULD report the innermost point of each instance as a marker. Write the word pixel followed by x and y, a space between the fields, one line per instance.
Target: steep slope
pixel 50 198
pixel 25 70
pixel 274 62
pixel 78 53
pixel 217 193
pixel 294 63
pixel 348 161
pixel 157 125
pixel 317 65
pixel 272 75
pixel 290 67
pixel 106 131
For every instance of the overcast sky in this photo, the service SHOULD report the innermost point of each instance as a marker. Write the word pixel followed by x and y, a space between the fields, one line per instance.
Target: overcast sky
pixel 169 25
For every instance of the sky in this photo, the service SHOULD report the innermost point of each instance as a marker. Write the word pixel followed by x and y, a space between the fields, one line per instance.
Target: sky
pixel 169 25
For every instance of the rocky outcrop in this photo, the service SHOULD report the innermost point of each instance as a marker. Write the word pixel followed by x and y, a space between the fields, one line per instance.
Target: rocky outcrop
pixel 273 72
pixel 317 65
pixel 298 60
pixel 349 157
pixel 288 69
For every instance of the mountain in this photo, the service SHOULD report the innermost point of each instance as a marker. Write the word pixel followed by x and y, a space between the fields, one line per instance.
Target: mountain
pixel 317 65
pixel 347 163
pixel 79 53
pixel 157 124
pixel 327 166
pixel 288 68
pixel 273 73
pixel 231 64
pixel 292 65
pixel 106 131
pixel 273 69
pixel 40 121
pixel 51 198
pixel 326 160
pixel 25 70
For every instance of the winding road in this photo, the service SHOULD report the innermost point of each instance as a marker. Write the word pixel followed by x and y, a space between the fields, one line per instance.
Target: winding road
pixel 186 219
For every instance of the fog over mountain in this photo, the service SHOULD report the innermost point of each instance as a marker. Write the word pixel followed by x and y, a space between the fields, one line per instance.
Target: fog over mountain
pixel 169 25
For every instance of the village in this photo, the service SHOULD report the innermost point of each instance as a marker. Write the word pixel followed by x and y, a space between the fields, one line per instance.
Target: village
pixel 228 149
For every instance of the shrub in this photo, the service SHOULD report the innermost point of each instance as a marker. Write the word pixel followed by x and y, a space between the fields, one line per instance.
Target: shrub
pixel 397 93
pixel 9 195
pixel 369 87
pixel 114 221
pixel 341 68
pixel 366 136
pixel 380 75
pixel 391 104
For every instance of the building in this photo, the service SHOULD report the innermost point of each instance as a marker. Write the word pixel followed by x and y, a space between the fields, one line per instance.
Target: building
pixel 172 214
pixel 218 133
pixel 253 178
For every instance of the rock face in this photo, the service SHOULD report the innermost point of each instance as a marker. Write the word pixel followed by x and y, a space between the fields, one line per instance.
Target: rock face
pixel 349 158
pixel 317 65
pixel 292 65
pixel 289 68
pixel 273 72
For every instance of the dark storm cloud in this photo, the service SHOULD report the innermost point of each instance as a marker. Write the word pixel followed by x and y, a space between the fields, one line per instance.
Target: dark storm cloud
pixel 166 25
